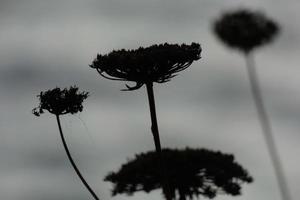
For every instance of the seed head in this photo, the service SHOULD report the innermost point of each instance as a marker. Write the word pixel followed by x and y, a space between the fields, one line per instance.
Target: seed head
pixel 157 63
pixel 245 30
pixel 60 101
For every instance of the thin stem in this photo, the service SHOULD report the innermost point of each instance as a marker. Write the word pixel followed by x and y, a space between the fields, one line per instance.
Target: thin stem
pixel 72 161
pixel 266 127
pixel 154 126
pixel 155 132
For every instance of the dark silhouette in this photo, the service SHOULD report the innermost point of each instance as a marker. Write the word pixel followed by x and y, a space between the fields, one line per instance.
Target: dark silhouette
pixel 246 30
pixel 192 172
pixel 157 63
pixel 60 102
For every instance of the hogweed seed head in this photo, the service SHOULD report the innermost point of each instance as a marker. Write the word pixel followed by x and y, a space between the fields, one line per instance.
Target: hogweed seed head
pixel 245 30
pixel 60 101
pixel 191 172
pixel 157 63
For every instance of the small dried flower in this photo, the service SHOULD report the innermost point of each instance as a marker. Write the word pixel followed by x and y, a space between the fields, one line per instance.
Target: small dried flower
pixel 245 30
pixel 157 63
pixel 60 102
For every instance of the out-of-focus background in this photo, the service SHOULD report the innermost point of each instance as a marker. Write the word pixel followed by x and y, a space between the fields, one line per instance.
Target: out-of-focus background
pixel 44 44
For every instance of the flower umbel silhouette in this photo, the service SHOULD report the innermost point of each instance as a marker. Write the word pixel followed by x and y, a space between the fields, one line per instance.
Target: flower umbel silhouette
pixel 246 30
pixel 144 66
pixel 157 63
pixel 60 102
pixel 192 172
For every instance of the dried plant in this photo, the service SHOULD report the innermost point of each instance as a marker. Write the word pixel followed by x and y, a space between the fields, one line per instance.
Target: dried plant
pixel 144 66
pixel 60 102
pixel 247 30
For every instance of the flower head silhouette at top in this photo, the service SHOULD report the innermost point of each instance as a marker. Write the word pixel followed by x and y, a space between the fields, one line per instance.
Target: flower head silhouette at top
pixel 245 29
pixel 157 63
pixel 60 102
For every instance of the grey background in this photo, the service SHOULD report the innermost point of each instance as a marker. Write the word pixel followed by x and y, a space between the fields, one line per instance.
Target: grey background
pixel 44 44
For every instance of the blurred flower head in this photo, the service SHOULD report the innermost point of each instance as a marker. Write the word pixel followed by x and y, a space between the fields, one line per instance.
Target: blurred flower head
pixel 245 30
pixel 60 101
pixel 191 172
pixel 157 63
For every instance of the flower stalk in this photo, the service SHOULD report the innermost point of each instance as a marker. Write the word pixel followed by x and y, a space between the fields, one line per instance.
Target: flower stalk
pixel 72 161
pixel 154 126
pixel 266 126
pixel 60 102
pixel 155 132
pixel 144 66
pixel 246 30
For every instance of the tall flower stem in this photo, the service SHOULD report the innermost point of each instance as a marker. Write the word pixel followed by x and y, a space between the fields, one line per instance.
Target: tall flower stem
pixel 155 132
pixel 266 127
pixel 72 161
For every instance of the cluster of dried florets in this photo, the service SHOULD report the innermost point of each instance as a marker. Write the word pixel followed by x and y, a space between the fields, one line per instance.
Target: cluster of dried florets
pixel 60 101
pixel 191 172
pixel 157 63
pixel 245 30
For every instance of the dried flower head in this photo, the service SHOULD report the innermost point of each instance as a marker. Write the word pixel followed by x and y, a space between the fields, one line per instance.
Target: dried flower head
pixel 245 30
pixel 191 172
pixel 60 102
pixel 157 63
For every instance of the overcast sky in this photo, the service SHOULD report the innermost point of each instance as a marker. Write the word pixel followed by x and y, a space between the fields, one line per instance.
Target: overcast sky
pixel 44 44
